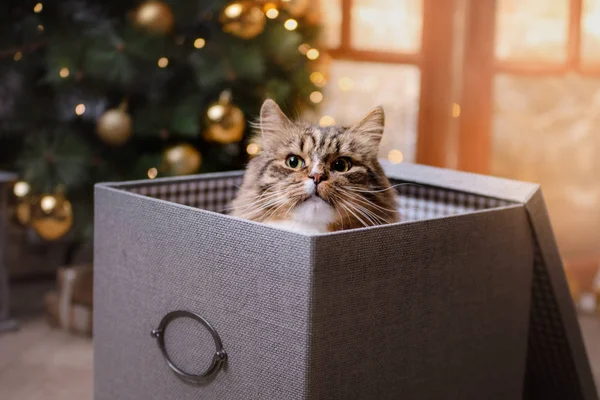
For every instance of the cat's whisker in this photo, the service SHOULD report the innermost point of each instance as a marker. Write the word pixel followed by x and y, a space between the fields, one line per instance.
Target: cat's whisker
pixel 359 189
pixel 264 207
pixel 343 204
pixel 365 201
pixel 373 215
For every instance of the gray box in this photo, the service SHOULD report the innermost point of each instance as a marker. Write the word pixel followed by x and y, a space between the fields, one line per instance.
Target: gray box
pixel 464 299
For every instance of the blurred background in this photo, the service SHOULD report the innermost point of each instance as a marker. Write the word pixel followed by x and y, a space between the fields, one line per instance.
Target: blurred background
pixel 95 90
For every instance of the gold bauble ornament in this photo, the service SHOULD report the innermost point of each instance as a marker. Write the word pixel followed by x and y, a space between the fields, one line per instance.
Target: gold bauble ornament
pixel 244 19
pixel 154 16
pixel 296 8
pixel 115 126
pixel 182 159
pixel 225 123
pixel 52 216
pixel 22 212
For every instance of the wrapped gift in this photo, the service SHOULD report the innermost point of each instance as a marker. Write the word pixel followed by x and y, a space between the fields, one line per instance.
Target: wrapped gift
pixel 70 307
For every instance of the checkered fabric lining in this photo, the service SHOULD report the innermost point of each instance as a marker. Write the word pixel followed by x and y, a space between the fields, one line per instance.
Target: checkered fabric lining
pixel 415 202
pixel 550 372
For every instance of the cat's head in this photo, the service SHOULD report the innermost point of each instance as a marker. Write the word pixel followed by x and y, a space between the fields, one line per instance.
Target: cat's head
pixel 325 176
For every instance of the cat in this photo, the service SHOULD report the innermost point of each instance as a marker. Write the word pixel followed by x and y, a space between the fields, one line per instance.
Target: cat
pixel 315 179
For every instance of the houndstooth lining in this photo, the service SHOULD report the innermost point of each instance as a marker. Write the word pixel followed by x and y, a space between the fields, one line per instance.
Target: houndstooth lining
pixel 415 202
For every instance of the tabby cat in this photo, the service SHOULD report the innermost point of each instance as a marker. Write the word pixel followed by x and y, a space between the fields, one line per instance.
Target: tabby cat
pixel 316 179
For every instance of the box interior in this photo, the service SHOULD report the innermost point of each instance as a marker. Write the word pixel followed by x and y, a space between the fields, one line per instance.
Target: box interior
pixel 215 192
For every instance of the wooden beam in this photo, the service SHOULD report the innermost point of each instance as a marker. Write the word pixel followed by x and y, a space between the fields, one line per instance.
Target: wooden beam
pixel 435 104
pixel 574 34
pixel 345 42
pixel 475 125
pixel 375 56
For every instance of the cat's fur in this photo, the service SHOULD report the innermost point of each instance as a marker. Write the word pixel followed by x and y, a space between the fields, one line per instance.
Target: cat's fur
pixel 276 194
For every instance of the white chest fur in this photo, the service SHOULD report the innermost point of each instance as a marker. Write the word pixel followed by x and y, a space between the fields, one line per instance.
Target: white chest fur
pixel 312 216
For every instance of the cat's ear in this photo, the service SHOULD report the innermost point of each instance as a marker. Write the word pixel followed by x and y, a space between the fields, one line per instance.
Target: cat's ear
pixel 274 125
pixel 370 129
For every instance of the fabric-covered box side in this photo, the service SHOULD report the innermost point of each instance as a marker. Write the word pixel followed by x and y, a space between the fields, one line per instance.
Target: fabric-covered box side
pixel 434 309
pixel 557 362
pixel 250 282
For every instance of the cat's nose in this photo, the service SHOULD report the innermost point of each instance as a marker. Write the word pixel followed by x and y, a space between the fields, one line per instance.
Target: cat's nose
pixel 316 177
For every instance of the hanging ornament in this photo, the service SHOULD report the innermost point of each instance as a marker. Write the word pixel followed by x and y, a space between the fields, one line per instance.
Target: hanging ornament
pixel 52 216
pixel 22 212
pixel 181 159
pixel 225 122
pixel 154 16
pixel 244 19
pixel 296 8
pixel 115 126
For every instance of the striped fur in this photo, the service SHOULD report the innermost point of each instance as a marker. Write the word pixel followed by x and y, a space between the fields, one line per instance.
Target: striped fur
pixel 274 193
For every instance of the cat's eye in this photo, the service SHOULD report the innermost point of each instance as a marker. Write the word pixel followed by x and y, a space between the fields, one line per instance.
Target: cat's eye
pixel 294 162
pixel 341 164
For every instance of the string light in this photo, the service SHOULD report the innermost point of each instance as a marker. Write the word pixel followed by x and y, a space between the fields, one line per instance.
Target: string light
pixel 316 97
pixel 312 54
pixel 233 10
pixel 38 8
pixel 163 62
pixel 40 28
pixel 395 156
pixel 215 112
pixel 80 109
pixel 346 84
pixel 152 173
pixel 327 120
pixel 318 79
pixel 291 24
pixel 455 110
pixel 48 203
pixel 272 13
pixel 21 189
pixel 64 72
pixel 252 149
pixel 18 55
pixel 199 43
pixel 303 48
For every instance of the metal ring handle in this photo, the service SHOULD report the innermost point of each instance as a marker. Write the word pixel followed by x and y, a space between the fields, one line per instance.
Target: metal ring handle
pixel 219 358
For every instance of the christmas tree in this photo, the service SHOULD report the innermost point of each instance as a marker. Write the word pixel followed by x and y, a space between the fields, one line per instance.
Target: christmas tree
pixel 97 90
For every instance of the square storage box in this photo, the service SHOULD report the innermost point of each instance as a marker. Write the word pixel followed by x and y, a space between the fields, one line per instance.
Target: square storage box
pixel 464 299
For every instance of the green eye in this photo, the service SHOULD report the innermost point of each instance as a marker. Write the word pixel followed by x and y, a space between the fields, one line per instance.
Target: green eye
pixel 341 165
pixel 294 162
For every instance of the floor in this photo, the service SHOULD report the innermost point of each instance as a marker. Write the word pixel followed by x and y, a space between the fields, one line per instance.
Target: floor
pixel 38 362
